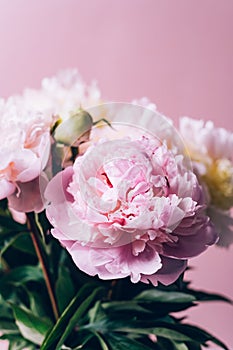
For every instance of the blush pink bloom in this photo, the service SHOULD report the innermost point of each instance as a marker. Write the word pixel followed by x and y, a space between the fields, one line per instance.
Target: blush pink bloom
pixel 206 142
pixel 25 123
pixel 129 207
pixel 210 149
pixel 24 152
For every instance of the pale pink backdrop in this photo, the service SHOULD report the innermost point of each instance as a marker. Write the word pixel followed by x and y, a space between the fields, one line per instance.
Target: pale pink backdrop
pixel 179 53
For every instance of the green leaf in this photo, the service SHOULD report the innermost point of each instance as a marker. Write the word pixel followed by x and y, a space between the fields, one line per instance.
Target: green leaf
pixel 24 244
pixel 32 328
pixel 18 343
pixel 13 283
pixel 38 304
pixel 21 275
pixel 180 346
pixel 85 340
pixel 8 326
pixel 64 288
pixel 119 342
pixel 82 309
pixel 125 306
pixel 121 324
pixel 205 296
pixel 146 328
pixel 5 310
pixel 165 344
pixel 102 342
pixel 170 334
pixel 74 311
pixel 96 313
pixel 5 236
pixel 200 335
pixel 181 332
pixel 13 242
pixel 155 295
pixel 194 346
pixel 164 328
pixel 21 345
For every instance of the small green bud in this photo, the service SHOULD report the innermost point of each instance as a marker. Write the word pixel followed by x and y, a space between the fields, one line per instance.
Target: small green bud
pixel 71 130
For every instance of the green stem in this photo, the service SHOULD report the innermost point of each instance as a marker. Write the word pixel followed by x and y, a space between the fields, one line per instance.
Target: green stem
pixel 35 235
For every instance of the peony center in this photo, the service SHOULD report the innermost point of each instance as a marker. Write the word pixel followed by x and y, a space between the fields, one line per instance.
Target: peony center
pixel 219 179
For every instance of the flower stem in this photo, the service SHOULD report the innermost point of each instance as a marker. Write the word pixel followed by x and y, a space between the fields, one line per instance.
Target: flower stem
pixel 35 235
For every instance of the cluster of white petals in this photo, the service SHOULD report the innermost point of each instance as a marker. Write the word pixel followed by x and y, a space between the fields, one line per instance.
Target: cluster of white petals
pixel 62 94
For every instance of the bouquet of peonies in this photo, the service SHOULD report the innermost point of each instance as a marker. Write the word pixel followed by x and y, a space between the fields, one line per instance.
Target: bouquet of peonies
pixel 102 205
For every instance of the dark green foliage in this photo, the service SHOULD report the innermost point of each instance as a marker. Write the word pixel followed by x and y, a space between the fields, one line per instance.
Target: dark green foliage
pixel 93 314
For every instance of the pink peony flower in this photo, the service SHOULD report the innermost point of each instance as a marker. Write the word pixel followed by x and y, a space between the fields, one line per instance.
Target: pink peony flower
pixel 24 152
pixel 25 122
pixel 205 142
pixel 210 149
pixel 129 207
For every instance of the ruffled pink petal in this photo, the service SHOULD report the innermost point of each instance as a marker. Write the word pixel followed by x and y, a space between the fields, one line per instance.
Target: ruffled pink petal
pixel 170 271
pixel 115 262
pixel 18 216
pixel 193 245
pixel 6 188
pixel 30 196
pixel 147 262
pixel 56 191
pixel 94 261
pixel 43 149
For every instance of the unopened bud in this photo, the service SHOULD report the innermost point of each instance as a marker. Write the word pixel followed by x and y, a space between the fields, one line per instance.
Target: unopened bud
pixel 71 131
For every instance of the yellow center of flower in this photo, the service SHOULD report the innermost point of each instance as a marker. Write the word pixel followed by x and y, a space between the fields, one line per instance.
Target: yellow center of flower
pixel 219 179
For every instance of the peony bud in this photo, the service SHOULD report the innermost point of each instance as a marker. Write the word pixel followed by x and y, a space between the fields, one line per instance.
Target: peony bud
pixel 71 130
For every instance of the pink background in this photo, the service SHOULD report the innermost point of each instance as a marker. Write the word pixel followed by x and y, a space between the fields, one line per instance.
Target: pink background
pixel 178 53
